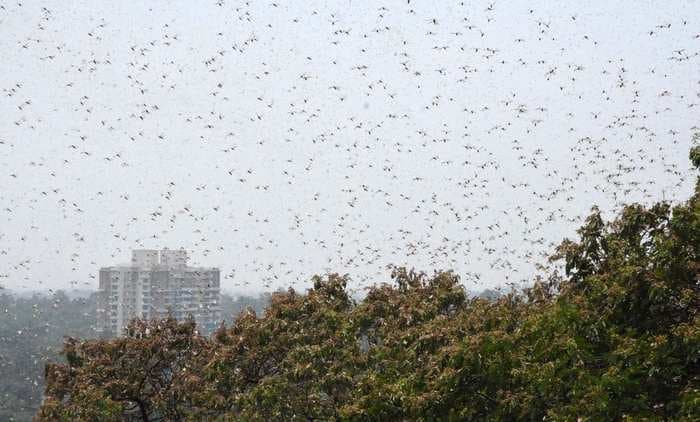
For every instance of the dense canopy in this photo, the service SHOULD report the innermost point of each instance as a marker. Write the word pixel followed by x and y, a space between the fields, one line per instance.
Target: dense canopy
pixel 616 336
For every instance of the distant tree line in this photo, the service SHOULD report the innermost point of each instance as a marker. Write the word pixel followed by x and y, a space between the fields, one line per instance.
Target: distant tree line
pixel 615 337
pixel 32 332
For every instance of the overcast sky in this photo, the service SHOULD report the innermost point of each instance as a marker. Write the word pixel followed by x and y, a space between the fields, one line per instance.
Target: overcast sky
pixel 276 140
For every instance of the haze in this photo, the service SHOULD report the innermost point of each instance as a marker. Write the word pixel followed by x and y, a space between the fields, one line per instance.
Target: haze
pixel 280 140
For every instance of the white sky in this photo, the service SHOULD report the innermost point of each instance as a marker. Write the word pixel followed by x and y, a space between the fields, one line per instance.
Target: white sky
pixel 279 140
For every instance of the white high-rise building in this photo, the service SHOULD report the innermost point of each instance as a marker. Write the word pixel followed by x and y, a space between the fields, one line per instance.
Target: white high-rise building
pixel 144 258
pixel 173 258
pixel 155 284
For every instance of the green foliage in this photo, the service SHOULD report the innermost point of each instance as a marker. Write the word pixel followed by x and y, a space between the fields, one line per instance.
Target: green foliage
pixel 32 331
pixel 617 337
pixel 695 156
pixel 31 334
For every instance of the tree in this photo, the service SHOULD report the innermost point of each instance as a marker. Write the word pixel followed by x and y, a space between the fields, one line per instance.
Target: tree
pixel 617 336
pixel 149 374
pixel 31 334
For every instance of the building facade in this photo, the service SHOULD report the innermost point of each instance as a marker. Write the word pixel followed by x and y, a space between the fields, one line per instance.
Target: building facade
pixel 157 283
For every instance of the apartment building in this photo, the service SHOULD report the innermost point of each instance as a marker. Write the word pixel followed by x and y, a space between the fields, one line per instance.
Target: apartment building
pixel 156 283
